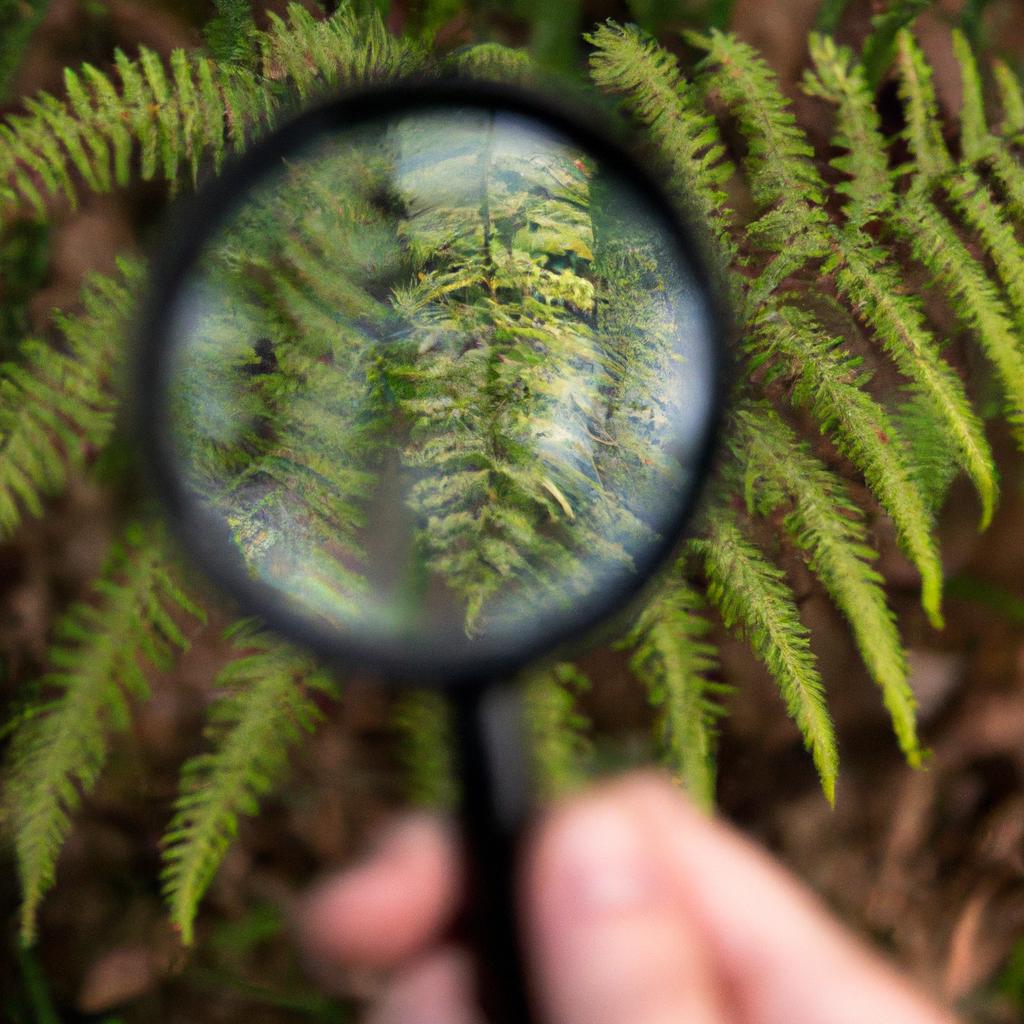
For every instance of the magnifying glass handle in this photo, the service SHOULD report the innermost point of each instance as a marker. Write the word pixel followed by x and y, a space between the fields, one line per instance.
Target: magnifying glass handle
pixel 495 805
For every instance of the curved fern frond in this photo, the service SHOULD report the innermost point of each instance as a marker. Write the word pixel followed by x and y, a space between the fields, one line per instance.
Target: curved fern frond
pixel 754 599
pixel 673 657
pixel 866 277
pixel 424 724
pixel 57 407
pixel 59 750
pixel 827 527
pixel 830 383
pixel 269 698
pixel 561 747
pixel 176 115
pixel 626 62
pixel 976 301
pixel 784 180
pixel 873 287
pixel 840 79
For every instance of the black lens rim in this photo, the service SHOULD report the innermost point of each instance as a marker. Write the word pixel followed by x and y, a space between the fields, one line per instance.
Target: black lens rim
pixel 194 222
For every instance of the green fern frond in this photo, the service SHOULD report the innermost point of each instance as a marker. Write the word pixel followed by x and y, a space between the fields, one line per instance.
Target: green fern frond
pixel 827 527
pixel 626 62
pixel 178 114
pixel 57 407
pixel 921 108
pixel 828 381
pixel 1011 97
pixel 561 748
pixel 674 659
pixel 423 721
pixel 976 301
pixel 754 599
pixel 871 283
pixel 840 79
pixel 974 133
pixel 880 47
pixel 875 290
pixel 269 698
pixel 229 34
pixel 784 180
pixel 494 62
pixel 59 750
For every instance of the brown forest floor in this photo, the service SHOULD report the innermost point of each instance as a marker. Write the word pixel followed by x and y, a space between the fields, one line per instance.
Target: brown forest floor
pixel 928 864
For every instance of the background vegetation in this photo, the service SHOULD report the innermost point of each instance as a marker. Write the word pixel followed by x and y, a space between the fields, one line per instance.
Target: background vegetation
pixel 876 264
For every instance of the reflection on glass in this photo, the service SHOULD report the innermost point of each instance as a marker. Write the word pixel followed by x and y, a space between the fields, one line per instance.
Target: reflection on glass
pixel 440 377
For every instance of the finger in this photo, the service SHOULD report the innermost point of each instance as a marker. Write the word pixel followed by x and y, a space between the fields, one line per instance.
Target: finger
pixel 774 944
pixel 387 909
pixel 437 989
pixel 611 939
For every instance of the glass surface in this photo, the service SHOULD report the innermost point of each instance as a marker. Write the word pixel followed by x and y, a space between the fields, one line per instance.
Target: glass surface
pixel 440 378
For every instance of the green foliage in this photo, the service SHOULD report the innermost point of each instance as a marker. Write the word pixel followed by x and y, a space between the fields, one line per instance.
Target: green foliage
pixel 422 718
pixel 674 659
pixel 156 120
pixel 230 33
pixel 269 698
pixel 753 597
pixel 561 747
pixel 61 744
pixel 823 265
pixel 56 404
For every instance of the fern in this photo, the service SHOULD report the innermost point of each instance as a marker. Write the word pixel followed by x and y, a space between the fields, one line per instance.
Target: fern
pixel 818 269
pixel 422 718
pixel 165 118
pixel 673 657
pixel 61 744
pixel 269 698
pixel 561 746
pixel 626 63
pixel 57 406
pixel 753 598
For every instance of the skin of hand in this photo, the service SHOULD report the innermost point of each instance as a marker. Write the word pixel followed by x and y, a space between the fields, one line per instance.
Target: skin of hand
pixel 637 909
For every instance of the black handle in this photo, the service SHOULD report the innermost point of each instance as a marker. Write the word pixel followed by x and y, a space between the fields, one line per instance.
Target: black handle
pixel 495 777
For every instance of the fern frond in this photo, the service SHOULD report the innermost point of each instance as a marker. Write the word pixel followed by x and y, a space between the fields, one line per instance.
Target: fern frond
pixel 561 747
pixel 269 698
pixel 827 527
pixel 424 723
pixel 196 110
pixel 880 47
pixel 974 133
pixel 784 180
pixel 313 55
pixel 874 288
pixel 494 62
pixel 1011 96
pixel 830 383
pixel 976 301
pixel 871 283
pixel 59 750
pixel 840 79
pixel 57 407
pixel 754 599
pixel 229 34
pixel 674 659
pixel 626 62
pixel 924 126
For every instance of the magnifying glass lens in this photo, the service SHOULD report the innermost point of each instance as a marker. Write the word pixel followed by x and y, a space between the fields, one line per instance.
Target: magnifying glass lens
pixel 440 380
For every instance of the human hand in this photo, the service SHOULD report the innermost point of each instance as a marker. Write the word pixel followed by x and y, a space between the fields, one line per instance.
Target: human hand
pixel 637 910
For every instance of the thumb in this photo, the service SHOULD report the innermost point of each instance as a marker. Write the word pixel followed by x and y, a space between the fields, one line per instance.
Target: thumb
pixel 610 938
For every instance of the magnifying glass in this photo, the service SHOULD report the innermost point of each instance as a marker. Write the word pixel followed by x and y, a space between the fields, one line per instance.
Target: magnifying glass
pixel 429 381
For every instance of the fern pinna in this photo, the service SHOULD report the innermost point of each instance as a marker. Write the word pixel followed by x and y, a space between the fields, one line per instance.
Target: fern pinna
pixel 817 260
